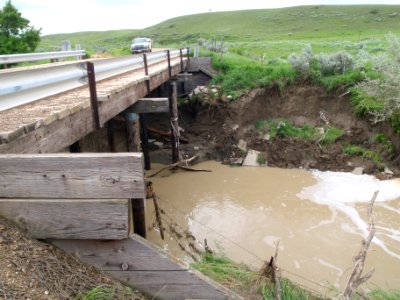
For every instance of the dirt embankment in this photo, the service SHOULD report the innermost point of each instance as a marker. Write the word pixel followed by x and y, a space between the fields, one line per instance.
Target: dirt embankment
pixel 215 131
pixel 31 269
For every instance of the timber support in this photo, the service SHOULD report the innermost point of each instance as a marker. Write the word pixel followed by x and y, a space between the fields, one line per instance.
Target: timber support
pixel 173 109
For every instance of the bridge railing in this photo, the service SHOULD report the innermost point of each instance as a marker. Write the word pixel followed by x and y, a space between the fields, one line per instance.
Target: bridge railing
pixel 21 87
pixel 25 57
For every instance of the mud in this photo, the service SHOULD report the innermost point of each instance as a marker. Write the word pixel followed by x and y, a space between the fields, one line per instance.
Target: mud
pixel 214 130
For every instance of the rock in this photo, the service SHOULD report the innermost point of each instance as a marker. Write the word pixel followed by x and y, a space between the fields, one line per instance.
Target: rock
pixel 321 131
pixel 159 145
pixel 196 148
pixel 266 137
pixel 214 90
pixel 236 161
pixel 235 127
pixel 388 171
pixel 242 145
pixel 358 171
pixel 251 159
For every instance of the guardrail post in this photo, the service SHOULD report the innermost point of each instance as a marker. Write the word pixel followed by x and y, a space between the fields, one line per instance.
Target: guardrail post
pixel 169 64
pixel 146 72
pixel 93 95
pixel 181 55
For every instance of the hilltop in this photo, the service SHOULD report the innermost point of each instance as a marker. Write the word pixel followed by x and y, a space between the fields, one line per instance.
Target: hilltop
pixel 349 22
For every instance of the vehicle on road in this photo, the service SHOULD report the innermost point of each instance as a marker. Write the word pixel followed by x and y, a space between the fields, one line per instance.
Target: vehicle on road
pixel 141 44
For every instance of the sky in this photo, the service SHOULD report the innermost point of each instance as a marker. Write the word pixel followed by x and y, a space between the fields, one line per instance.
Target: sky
pixel 63 16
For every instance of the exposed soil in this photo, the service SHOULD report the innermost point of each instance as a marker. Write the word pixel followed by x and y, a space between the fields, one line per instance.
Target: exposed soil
pixel 214 131
pixel 30 269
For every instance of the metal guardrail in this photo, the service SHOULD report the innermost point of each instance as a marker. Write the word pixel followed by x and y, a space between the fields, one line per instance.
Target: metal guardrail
pixel 21 87
pixel 16 58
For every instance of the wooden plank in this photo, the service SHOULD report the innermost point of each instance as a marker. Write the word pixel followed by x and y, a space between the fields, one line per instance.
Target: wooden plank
pixel 80 175
pixel 69 219
pixel 169 285
pixel 139 264
pixel 150 105
pixel 110 255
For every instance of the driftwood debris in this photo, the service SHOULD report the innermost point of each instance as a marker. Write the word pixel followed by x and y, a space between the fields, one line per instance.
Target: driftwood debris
pixel 271 271
pixel 167 134
pixel 158 216
pixel 275 272
pixel 356 279
pixel 182 164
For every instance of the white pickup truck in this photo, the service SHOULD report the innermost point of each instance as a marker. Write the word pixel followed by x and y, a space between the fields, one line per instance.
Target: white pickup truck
pixel 141 44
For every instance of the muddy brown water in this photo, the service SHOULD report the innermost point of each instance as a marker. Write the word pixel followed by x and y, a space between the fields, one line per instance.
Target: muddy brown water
pixel 319 219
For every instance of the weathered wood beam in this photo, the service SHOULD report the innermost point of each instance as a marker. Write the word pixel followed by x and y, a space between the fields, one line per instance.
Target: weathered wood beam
pixel 173 108
pixel 64 175
pixel 69 219
pixel 137 263
pixel 132 132
pixel 150 105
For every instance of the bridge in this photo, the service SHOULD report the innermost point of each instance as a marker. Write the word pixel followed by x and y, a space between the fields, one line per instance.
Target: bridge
pixel 91 204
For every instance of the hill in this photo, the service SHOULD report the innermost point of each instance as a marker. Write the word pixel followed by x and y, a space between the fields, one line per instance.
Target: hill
pixel 349 22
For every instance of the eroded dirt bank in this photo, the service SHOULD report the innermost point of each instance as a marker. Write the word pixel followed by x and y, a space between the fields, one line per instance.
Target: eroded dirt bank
pixel 215 130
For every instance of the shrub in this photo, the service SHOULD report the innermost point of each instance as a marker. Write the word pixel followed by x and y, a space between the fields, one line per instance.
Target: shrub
pixel 301 63
pixel 386 88
pixel 337 63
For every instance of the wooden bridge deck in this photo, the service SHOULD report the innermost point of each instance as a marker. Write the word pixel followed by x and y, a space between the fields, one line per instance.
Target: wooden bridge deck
pixel 51 124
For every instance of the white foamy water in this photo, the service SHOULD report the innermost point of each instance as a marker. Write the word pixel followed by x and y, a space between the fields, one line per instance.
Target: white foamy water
pixel 341 191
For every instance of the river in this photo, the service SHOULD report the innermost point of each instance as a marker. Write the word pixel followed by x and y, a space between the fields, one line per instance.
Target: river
pixel 319 219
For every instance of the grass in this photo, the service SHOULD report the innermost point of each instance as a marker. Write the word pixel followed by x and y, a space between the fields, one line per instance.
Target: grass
pixel 360 151
pixel 239 74
pixel 380 294
pixel 289 292
pixel 261 159
pixel 224 270
pixel 260 31
pixel 283 128
pixel 102 292
pixel 231 274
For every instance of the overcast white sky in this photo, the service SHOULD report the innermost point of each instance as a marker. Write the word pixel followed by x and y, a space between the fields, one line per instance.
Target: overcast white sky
pixel 61 16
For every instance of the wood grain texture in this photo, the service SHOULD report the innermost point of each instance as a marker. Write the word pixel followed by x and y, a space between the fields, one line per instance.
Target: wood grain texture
pixel 79 175
pixel 69 219
pixel 146 268
pixel 110 255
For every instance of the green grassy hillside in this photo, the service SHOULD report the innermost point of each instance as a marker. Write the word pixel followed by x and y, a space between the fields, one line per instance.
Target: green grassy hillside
pixel 295 24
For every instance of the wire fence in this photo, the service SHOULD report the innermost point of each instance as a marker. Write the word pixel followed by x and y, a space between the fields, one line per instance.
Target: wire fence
pixel 319 286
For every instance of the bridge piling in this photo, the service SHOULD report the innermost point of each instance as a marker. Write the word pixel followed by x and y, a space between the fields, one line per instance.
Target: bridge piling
pixel 173 102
